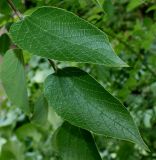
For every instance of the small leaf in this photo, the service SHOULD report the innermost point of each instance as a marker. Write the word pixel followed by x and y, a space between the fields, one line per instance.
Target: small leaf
pixel 100 2
pixel 4 43
pixel 151 8
pixel 28 130
pixel 13 78
pixel 134 4
pixel 81 100
pixel 108 7
pixel 58 34
pixel 40 111
pixel 73 143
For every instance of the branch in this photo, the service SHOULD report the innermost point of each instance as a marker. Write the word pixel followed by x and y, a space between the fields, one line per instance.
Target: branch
pixel 52 63
pixel 19 15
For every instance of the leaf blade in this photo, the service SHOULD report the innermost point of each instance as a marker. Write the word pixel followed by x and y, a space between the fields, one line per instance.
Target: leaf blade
pixel 75 143
pixel 81 100
pixel 5 43
pixel 40 114
pixel 13 78
pixel 100 2
pixel 58 34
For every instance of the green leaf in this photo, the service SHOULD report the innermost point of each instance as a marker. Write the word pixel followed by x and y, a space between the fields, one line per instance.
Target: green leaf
pixel 126 151
pixel 13 78
pixel 4 43
pixel 151 8
pixel 108 7
pixel 73 143
pixel 28 130
pixel 4 8
pixel 40 111
pixel 13 149
pixel 134 4
pixel 58 34
pixel 81 100
pixel 100 2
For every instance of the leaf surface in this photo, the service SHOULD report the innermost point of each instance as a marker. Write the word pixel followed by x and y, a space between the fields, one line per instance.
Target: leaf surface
pixel 40 111
pixel 100 2
pixel 73 143
pixel 4 43
pixel 134 4
pixel 81 100
pixel 13 78
pixel 58 34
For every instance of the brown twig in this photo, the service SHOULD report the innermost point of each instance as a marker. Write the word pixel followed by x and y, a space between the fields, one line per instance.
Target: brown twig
pixel 19 15
pixel 52 63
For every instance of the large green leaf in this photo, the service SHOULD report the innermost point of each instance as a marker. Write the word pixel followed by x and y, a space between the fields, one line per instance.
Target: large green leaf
pixel 58 34
pixel 12 75
pixel 81 100
pixel 73 143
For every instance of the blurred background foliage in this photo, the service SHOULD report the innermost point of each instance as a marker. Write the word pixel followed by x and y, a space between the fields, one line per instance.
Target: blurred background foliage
pixel 131 28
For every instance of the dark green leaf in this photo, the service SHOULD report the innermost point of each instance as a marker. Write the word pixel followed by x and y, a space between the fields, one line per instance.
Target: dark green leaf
pixel 73 143
pixel 13 78
pixel 4 7
pixel 4 43
pixel 58 34
pixel 126 151
pixel 81 100
pixel 108 7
